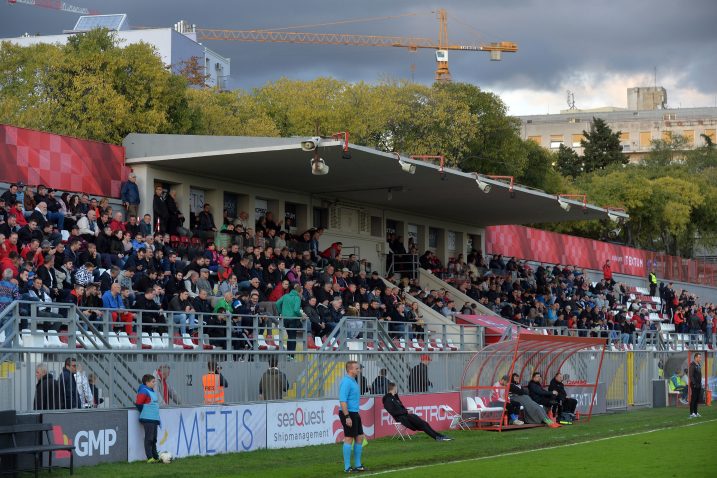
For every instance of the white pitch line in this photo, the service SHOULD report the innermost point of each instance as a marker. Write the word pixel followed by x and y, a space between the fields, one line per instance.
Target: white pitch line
pixel 554 447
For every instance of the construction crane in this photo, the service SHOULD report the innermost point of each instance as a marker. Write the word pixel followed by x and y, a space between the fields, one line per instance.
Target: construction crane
pixel 411 43
pixel 55 5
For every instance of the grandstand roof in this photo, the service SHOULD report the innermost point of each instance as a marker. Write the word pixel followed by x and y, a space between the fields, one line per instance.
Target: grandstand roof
pixel 367 178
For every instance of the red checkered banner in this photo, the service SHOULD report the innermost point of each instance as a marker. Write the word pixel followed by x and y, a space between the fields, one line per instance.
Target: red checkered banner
pixel 543 246
pixel 61 162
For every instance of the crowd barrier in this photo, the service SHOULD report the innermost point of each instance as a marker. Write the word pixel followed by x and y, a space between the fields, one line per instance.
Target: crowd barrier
pixel 102 436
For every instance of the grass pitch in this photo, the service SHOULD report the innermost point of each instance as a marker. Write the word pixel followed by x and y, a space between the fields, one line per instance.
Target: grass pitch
pixel 615 444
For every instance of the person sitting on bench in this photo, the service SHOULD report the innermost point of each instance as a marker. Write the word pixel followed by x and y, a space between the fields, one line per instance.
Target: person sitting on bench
pixel 392 404
pixel 533 412
pixel 565 403
pixel 540 395
pixel 497 399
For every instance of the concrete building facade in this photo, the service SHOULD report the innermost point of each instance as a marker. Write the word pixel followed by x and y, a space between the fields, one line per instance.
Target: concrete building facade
pixel 172 47
pixel 638 127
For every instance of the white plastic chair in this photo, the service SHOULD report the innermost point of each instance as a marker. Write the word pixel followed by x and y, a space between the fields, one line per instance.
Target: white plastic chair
pixel 113 340
pixel 124 340
pixel 146 340
pixel 157 341
pixel 187 340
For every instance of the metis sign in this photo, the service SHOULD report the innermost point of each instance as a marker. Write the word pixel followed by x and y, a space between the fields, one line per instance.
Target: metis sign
pixel 203 430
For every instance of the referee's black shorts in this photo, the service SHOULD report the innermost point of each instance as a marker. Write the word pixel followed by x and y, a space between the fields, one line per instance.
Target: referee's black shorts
pixel 356 429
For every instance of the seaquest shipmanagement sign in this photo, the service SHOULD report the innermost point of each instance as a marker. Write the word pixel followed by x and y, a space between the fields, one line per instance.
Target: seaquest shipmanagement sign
pixel 296 424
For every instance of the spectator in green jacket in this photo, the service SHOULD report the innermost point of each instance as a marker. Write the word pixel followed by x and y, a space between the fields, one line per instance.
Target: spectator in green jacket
pixel 678 383
pixel 289 308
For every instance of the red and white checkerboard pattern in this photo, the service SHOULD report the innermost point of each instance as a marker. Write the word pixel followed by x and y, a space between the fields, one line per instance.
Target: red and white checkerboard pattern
pixel 61 162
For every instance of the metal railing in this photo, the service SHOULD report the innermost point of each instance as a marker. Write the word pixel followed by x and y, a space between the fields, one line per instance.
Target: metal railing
pixel 306 375
pixel 405 265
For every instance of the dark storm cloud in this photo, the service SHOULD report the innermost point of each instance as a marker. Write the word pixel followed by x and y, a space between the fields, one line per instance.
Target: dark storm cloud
pixel 556 38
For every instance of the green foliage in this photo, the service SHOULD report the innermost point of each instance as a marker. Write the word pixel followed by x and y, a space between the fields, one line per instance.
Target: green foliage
pixel 91 88
pixel 229 113
pixel 568 162
pixel 601 147
pixel 665 153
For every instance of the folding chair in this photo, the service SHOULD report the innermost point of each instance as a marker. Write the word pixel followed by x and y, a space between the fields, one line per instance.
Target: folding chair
pixel 456 419
pixel 401 431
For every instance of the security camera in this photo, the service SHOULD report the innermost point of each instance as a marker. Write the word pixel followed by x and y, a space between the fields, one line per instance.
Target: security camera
pixel 484 186
pixel 310 144
pixel 407 167
pixel 564 204
pixel 319 167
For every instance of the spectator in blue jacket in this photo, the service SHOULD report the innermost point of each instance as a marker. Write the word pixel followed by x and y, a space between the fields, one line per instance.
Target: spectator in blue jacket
pixel 147 402
pixel 130 195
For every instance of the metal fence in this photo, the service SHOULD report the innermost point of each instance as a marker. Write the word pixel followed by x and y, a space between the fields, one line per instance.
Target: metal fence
pixel 114 376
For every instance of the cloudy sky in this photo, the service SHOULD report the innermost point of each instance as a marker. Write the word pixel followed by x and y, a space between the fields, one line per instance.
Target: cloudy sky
pixel 595 49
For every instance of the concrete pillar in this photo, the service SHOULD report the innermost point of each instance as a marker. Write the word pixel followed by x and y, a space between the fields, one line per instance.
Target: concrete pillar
pixel 183 201
pixel 145 184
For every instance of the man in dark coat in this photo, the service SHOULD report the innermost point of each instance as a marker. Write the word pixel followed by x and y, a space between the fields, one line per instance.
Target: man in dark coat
pixel 539 394
pixel 68 395
pixel 565 403
pixel 151 321
pixel 418 381
pixel 45 389
pixel 695 379
pixel 160 209
pixel 392 404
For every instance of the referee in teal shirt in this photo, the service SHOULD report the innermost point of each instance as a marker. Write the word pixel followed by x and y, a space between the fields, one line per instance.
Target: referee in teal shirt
pixel 349 399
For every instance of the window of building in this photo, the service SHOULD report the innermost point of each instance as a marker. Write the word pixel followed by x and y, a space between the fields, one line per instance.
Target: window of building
pixel 321 217
pixel 451 240
pixel 624 137
pixel 667 136
pixel 536 139
pixel 689 135
pixel 645 139
pixel 711 134
pixel 432 238
pixel 376 226
pixel 556 140
pixel 575 140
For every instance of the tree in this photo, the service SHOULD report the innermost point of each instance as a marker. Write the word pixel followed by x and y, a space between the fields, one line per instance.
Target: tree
pixel 666 152
pixel 194 71
pixel 568 162
pixel 229 113
pixel 601 147
pixel 91 88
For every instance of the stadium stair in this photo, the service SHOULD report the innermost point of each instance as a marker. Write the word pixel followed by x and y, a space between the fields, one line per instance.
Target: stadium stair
pixel 430 281
pixel 435 321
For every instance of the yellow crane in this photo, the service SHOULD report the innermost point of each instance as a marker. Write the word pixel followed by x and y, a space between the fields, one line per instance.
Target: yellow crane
pixel 442 47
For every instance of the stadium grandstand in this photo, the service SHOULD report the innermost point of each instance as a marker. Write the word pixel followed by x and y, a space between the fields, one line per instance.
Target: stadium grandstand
pixel 270 262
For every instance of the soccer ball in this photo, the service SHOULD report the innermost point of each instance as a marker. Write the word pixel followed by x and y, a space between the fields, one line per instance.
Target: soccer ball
pixel 165 457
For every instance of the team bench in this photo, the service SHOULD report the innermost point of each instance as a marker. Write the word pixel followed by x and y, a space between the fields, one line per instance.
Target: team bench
pixel 36 449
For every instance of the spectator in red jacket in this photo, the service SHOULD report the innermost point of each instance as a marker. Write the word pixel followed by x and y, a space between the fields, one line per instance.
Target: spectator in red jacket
pixel 607 273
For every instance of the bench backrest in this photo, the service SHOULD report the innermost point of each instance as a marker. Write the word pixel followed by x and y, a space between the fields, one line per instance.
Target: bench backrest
pixel 25 428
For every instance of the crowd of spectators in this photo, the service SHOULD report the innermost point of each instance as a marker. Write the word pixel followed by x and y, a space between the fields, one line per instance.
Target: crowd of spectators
pixel 559 296
pixel 83 251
